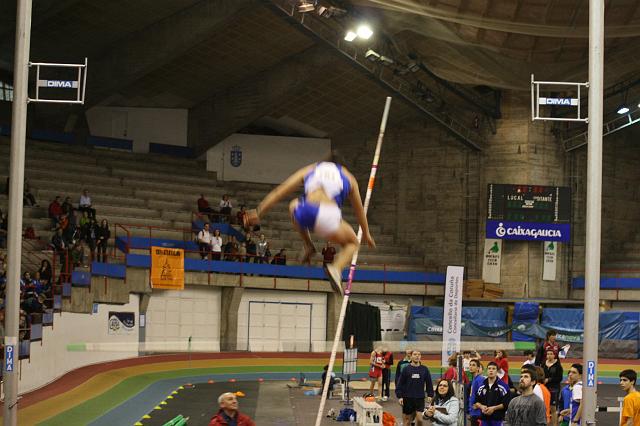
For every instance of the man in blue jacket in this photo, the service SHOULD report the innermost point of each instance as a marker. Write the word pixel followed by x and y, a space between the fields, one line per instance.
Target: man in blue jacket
pixel 475 367
pixel 413 385
pixel 492 398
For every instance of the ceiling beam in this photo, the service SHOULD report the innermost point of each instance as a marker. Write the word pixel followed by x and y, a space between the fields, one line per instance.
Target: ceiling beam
pixel 148 49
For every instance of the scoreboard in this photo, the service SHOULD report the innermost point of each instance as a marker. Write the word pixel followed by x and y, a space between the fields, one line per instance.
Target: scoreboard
pixel 529 203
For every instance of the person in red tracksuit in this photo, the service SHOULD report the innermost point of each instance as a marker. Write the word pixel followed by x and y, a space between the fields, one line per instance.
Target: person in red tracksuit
pixel 228 415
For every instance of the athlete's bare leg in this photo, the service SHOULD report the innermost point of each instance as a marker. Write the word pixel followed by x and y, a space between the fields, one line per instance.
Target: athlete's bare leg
pixel 346 237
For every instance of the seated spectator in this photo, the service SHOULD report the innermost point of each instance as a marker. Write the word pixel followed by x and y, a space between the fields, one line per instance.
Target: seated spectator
pixel 204 241
pixel 102 240
pixel 67 207
pixel 261 249
pixel 79 254
pixel 85 204
pixel 280 258
pixel 45 271
pixel 38 286
pixel 328 253
pixel 83 223
pixel 55 212
pixel 59 245
pixel 28 199
pixel 30 233
pixel 204 209
pixel 216 245
pixel 225 208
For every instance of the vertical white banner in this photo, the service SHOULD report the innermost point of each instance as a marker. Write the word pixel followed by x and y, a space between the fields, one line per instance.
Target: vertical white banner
pixel 492 260
pixel 452 318
pixel 549 260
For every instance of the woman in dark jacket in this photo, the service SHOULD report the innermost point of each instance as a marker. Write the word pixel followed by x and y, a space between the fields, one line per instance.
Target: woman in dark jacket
pixel 553 373
pixel 45 272
pixel 102 234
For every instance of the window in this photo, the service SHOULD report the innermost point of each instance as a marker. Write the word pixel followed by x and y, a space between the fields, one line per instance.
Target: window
pixel 6 92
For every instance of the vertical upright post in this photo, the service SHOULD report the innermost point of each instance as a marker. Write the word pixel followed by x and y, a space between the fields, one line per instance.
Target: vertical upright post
pixel 14 234
pixel 594 201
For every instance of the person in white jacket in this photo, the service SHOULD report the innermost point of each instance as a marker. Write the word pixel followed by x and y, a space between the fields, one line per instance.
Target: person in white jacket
pixel 445 407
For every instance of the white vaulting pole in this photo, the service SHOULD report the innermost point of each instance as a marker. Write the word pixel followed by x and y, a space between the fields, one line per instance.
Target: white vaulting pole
pixel 354 260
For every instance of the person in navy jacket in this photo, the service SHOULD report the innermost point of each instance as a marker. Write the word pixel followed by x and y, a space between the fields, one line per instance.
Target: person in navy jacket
pixel 414 384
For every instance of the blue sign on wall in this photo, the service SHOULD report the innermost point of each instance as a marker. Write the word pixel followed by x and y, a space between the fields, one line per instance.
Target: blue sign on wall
pixel 591 374
pixel 528 231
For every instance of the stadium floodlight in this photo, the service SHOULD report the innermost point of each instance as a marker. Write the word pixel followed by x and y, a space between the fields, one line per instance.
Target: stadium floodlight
pixel 350 36
pixel 372 55
pixel 622 109
pixel 364 31
pixel 306 6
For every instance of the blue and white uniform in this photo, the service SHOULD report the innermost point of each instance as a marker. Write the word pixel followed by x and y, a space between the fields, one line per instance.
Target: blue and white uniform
pixel 324 219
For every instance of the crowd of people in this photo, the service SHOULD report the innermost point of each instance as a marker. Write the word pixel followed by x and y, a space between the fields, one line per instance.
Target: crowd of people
pixel 78 237
pixel 490 397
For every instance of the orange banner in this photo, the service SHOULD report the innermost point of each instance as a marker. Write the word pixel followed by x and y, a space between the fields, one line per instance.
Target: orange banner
pixel 167 268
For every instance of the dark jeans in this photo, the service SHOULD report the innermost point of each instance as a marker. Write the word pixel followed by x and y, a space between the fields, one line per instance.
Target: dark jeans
pixel 204 250
pixel 102 252
pixel 386 379
pixel 92 212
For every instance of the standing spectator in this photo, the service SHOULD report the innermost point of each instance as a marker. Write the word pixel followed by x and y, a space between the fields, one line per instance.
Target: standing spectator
pixel 402 364
pixel 55 212
pixel 564 405
pixel 67 207
pixel 228 415
pixel 387 356
pixel 376 365
pixel 204 209
pixel 541 390
pixel 83 223
pixel 216 245
pixel 280 258
pixel 204 241
pixel 526 409
pixel 251 248
pixel 553 377
pixel 231 249
pixel 413 385
pixel 445 409
pixel 103 234
pixel 28 199
pixel 59 245
pixel 492 398
pixel 240 215
pixel 549 343
pixel 261 249
pixel 475 367
pixel 574 412
pixel 85 204
pixel 452 372
pixel 503 366
pixel 332 378
pixel 328 253
pixel 530 358
pixel 225 208
pixel 631 402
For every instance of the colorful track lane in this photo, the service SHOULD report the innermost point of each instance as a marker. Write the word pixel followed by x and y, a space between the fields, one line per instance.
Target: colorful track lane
pixel 86 395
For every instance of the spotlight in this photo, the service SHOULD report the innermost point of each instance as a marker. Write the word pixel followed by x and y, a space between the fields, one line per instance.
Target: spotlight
pixel 372 55
pixel 350 36
pixel 364 32
pixel 306 6
pixel 622 109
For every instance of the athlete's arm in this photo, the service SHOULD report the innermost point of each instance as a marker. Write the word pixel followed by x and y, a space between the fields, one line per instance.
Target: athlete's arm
pixel 356 203
pixel 292 183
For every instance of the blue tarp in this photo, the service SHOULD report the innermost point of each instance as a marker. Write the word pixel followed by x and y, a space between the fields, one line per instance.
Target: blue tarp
pixel 50 136
pixel 108 270
pixel 610 283
pixel 525 313
pixel 104 142
pixel 173 150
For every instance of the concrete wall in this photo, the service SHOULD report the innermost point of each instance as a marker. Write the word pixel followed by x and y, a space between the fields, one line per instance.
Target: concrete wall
pixel 265 159
pixel 51 359
pixel 142 125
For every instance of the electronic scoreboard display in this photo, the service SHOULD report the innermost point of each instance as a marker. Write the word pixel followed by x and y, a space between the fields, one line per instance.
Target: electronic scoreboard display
pixel 529 203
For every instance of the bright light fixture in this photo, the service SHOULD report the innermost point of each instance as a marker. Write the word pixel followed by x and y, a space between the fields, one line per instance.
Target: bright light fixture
pixel 350 36
pixel 623 110
pixel 364 32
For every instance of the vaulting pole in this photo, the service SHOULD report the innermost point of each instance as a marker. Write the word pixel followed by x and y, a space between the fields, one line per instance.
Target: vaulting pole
pixel 354 261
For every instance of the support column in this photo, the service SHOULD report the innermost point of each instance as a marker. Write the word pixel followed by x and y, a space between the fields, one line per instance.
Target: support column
pixel 230 304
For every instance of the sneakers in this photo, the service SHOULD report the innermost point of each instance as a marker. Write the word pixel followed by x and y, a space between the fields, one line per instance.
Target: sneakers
pixel 334 278
pixel 384 398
